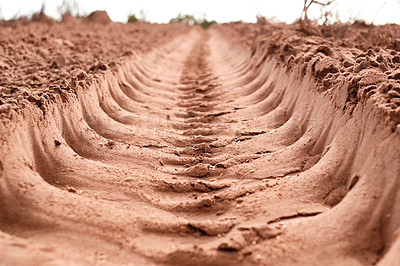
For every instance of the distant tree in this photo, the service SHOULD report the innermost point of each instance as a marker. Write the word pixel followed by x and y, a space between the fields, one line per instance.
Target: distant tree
pixel 132 18
pixel 192 20
pixel 185 19
pixel 205 24
pixel 70 6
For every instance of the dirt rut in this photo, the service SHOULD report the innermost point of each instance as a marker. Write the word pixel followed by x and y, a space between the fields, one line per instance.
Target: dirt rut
pixel 200 152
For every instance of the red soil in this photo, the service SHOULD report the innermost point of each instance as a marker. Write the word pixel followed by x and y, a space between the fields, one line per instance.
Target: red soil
pixel 165 144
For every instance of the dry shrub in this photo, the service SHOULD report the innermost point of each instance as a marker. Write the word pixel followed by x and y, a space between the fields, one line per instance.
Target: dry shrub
pixel 306 25
pixel 41 16
pixel 363 35
pixel 386 36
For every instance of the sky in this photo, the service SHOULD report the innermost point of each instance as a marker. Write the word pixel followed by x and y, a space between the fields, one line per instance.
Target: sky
pixel 161 11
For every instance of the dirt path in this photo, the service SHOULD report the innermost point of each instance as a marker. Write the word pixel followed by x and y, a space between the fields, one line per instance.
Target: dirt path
pixel 199 152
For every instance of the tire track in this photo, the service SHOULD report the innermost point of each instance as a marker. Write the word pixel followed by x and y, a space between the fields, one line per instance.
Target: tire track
pixel 199 152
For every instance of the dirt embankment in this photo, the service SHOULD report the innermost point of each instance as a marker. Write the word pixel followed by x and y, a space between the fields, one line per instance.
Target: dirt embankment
pixel 243 144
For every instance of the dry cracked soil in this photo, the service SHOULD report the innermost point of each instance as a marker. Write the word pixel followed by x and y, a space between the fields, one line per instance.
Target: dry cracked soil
pixel 242 144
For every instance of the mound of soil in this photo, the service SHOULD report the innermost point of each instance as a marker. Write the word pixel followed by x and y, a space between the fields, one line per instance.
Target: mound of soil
pixel 100 17
pixel 67 17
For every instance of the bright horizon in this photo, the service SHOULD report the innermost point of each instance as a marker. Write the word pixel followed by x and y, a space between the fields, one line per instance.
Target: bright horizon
pixel 220 10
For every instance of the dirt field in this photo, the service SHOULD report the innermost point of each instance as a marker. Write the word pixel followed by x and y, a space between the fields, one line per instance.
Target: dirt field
pixel 243 144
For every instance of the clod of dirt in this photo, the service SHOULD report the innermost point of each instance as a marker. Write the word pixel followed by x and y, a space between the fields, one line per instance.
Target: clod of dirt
pixel 231 245
pixel 5 108
pixel 71 189
pixel 393 94
pixel 395 75
pixel 347 64
pixel 59 61
pixel 237 240
pixel 57 143
pixel 98 66
pixel 198 170
pixel 370 76
pixel 324 66
pixel 127 53
pixel 110 144
pixel 267 231
pixel 324 49
pixel 213 228
pixel 288 49
pixel 395 115
pixel 3 65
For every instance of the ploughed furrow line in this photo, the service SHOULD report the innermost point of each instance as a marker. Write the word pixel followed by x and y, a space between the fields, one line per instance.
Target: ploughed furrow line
pixel 199 152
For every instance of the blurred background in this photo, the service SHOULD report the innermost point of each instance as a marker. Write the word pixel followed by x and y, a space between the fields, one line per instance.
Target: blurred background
pixel 161 11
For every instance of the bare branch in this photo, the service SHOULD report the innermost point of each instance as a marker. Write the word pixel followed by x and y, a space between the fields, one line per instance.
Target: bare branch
pixel 372 22
pixel 307 5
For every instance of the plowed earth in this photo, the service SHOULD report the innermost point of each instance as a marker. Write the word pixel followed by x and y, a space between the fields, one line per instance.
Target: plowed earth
pixel 242 144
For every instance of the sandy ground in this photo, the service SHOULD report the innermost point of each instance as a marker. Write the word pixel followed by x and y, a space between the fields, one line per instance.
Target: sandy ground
pixel 243 144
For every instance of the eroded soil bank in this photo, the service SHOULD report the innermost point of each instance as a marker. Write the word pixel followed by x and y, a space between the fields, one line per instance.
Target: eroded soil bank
pixel 242 144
